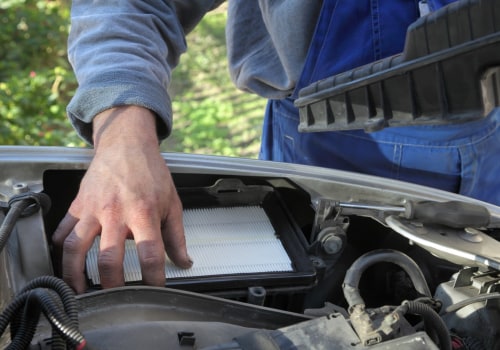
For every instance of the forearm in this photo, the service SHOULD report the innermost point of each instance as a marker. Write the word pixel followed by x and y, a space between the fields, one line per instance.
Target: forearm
pixel 123 53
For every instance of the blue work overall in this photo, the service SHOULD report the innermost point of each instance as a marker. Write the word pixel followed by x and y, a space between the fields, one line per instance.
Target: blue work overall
pixel 460 158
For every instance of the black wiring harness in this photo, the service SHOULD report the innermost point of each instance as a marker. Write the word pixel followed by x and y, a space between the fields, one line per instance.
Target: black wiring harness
pixel 56 300
pixel 45 295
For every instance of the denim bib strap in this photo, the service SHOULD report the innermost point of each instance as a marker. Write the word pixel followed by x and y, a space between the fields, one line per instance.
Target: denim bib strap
pixel 351 33
pixel 348 34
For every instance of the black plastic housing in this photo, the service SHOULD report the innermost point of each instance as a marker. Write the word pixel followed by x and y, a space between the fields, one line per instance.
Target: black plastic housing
pixel 447 73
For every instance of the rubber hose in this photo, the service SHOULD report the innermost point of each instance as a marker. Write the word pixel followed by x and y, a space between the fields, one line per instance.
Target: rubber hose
pixel 68 298
pixel 22 334
pixel 36 200
pixel 62 289
pixel 18 205
pixel 432 321
pixel 354 273
pixel 469 301
pixel 8 313
pixel 57 342
pixel 64 292
pixel 55 314
pixel 15 211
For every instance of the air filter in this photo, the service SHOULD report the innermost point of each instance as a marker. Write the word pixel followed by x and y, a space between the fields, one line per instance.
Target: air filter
pixel 232 247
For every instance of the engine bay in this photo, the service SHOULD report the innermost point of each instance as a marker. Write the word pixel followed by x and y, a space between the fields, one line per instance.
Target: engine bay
pixel 286 257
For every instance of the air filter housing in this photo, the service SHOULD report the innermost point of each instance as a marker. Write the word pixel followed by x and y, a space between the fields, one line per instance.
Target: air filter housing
pixel 238 236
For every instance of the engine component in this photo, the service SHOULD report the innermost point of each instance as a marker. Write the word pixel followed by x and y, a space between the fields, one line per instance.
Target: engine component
pixel 157 318
pixel 297 215
pixel 328 332
pixel 472 297
pixel 376 325
pixel 176 319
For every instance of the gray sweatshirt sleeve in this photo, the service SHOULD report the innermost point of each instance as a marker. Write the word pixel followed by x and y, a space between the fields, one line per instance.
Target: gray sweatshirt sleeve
pixel 123 52
pixel 267 43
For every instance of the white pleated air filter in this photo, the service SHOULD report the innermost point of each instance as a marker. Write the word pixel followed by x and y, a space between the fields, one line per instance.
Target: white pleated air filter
pixel 221 241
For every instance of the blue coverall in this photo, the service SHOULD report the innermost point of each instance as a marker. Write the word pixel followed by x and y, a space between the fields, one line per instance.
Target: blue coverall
pixel 458 158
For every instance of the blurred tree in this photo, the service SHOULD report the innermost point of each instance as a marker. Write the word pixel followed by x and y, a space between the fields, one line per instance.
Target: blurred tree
pixel 210 115
pixel 36 84
pixel 36 80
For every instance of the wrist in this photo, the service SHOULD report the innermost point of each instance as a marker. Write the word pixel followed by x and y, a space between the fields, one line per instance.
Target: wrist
pixel 131 125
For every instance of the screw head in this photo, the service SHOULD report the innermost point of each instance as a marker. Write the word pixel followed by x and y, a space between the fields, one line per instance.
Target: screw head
pixel 20 187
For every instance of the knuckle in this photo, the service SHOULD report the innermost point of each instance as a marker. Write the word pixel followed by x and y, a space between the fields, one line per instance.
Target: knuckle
pixel 176 206
pixel 145 213
pixel 76 206
pixel 111 208
pixel 145 206
pixel 71 245
pixel 153 261
pixel 108 263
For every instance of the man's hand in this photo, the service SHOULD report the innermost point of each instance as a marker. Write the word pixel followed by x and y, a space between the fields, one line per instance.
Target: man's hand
pixel 127 192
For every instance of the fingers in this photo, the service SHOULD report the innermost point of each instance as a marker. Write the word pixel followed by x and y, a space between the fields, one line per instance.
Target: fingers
pixel 62 231
pixel 74 237
pixel 117 201
pixel 74 250
pixel 146 230
pixel 111 253
pixel 174 239
pixel 152 259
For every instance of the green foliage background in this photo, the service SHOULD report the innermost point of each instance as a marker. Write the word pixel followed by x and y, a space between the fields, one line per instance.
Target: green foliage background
pixel 35 78
pixel 36 83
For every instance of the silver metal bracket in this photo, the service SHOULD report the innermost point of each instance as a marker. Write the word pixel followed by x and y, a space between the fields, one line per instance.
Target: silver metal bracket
pixel 466 247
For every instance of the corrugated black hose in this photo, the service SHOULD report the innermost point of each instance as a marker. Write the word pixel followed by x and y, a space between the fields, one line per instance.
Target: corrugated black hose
pixel 68 298
pixel 40 300
pixel 62 289
pixel 57 302
pixel 23 328
pixel 23 204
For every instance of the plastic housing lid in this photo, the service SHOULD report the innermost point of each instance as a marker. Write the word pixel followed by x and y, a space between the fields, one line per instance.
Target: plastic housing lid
pixel 447 73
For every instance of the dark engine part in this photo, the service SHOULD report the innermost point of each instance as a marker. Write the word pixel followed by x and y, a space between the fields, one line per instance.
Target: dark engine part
pixel 302 308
